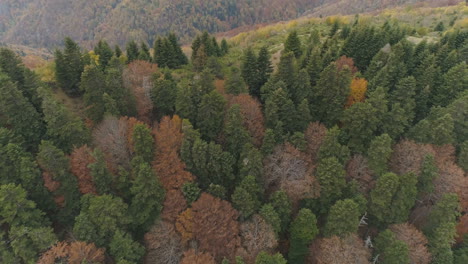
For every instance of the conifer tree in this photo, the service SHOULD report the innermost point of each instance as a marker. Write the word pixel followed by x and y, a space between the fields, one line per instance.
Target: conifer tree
pixel 293 44
pixel 69 66
pixel 248 71
pixel 428 174
pixel 144 53
pixel 224 47
pixel 211 115
pixel 379 154
pixel 143 142
pixel 236 135
pixel 331 176
pixel 104 52
pixel 269 142
pixel 124 249
pixel 343 219
pixel 132 51
pixel 390 249
pixel 455 81
pixel 332 148
pixel 303 230
pixel 102 177
pixel 117 51
pixel 360 122
pixel 282 205
pixel 235 84
pixel 164 94
pixel 93 84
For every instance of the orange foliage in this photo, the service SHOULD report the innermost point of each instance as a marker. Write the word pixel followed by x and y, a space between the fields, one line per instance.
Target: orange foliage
pixel 162 244
pixel 174 204
pixel 184 225
pixel 131 122
pixel 314 135
pixel 253 118
pixel 167 164
pixel 335 250
pixel 215 226
pixel 73 253
pixel 80 158
pixel 192 257
pixel 138 79
pixel 348 62
pixel 416 241
pixel 358 91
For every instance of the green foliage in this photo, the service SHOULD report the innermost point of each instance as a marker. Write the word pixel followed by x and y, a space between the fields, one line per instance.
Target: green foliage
pixel 69 64
pixel 331 147
pixel 211 115
pixel 455 81
pixel 379 154
pixel 105 53
pixel 246 196
pixel 123 248
pixel 437 128
pixel 303 230
pixel 343 219
pixel 235 133
pixel 280 108
pixel 144 53
pixel 102 177
pixel 250 163
pixel 428 174
pixel 168 53
pixel 132 51
pixel 331 176
pixel 143 142
pixel 217 191
pixel 256 70
pixel 265 258
pixel 93 85
pixel 298 141
pixel 390 249
pixel 269 142
pixel 280 202
pixel 234 83
pixel 463 156
pixel 191 192
pixel 293 44
pixel 360 122
pixel 270 215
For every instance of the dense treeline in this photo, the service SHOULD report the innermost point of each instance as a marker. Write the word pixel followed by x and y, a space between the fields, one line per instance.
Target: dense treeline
pixel 352 149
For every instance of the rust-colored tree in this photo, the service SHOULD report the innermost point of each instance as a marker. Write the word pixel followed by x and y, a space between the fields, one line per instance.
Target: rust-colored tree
pixel 80 158
pixel 184 225
pixel 253 118
pixel 193 257
pixel 416 241
pixel 215 226
pixel 314 135
pixel 256 236
pixel 358 170
pixel 162 244
pixel 462 228
pixel 73 253
pixel 167 163
pixel 335 250
pixel 344 61
pixel 111 136
pixel 290 170
pixel 174 204
pixel 137 78
pixel 358 92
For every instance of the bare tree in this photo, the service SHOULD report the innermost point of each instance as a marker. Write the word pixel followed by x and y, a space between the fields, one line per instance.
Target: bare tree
pixel 162 244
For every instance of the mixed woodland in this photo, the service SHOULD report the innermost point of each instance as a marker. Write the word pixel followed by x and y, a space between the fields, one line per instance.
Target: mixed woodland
pixel 346 141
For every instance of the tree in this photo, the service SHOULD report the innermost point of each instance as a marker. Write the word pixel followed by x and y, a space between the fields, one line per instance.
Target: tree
pixel 264 70
pixel 74 252
pixel 358 91
pixel 390 249
pixel 280 108
pixel 124 249
pixel 293 44
pixel 360 123
pixel 334 250
pixel 69 66
pixel 415 240
pixel 265 258
pixel 163 95
pixel 343 219
pixel 331 147
pixel 144 53
pixel 101 176
pixel 174 204
pixel 193 257
pixel 246 197
pixel 143 142
pixel 191 192
pixel 147 197
pixel 270 215
pixel 454 83
pixel 249 71
pixel 256 236
pixel 429 172
pixel 303 230
pixel 331 176
pixel 105 53
pixel 93 84
pixel 250 163
pixel 80 159
pixel 253 120
pixel 234 131
pixel 463 156
pixel 132 51
pixel 269 142
pixel 281 204
pixel 162 244
pixel 215 226
pixel 64 129
pixel 314 136
pixel 235 84
pixel 379 153
pixel 19 114
pixel 224 47
pixel 211 114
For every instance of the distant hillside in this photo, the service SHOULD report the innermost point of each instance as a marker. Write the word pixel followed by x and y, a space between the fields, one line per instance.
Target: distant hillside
pixel 44 23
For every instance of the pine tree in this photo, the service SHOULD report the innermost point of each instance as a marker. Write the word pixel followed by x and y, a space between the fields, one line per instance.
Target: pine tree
pixel 429 172
pixel 144 53
pixel 93 84
pixel 104 52
pixel 224 47
pixel 123 97
pixel 303 230
pixel 124 249
pixel 132 51
pixel 314 67
pixel 455 82
pixel 293 44
pixel 235 84
pixel 236 135
pixel 117 51
pixel 211 115
pixel 69 64
pixel 280 108
pixel 269 142
pixel 343 219
pixel 249 71
pixel 332 148
pixel 463 156
pixel 163 94
pixel 331 176
pixel 270 215
pixel 379 154
pixel 360 122
pixel 102 177
pixel 264 70
pixel 282 205
pixel 390 249
pixel 143 142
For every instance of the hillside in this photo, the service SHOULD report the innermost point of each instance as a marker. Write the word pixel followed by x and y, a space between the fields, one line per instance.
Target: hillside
pixel 44 23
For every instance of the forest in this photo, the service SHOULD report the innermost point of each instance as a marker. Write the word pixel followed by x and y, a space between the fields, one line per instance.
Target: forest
pixel 346 141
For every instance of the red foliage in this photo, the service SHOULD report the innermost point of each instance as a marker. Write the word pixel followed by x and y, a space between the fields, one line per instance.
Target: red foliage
pixel 335 250
pixel 215 226
pixel 416 241
pixel 73 253
pixel 253 118
pixel 290 170
pixel 193 257
pixel 138 79
pixel 358 170
pixel 174 204
pixel 80 158
pixel 167 164
pixel 345 61
pixel 162 244
pixel 314 135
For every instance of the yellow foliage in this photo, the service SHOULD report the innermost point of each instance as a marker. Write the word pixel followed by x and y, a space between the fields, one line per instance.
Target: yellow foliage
pixel 358 91
pixel 94 57
pixel 46 72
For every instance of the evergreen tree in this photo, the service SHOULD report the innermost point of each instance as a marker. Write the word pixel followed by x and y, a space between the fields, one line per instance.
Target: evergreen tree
pixel 270 215
pixel 265 258
pixel 180 58
pixel 211 115
pixel 102 178
pixel 117 51
pixel 269 142
pixel 455 81
pixel 331 147
pixel 428 174
pixel 104 52
pixel 463 156
pixel 12 66
pixel 314 67
pixel 343 219
pixel 404 94
pixel 360 122
pixel 331 176
pixel 143 142
pixel 390 249
pixel 144 53
pixel 191 192
pixel 303 230
pixel 132 51
pixel 69 64
pixel 282 205
pixel 236 135
pixel 19 114
pixel 249 71
pixel 123 97
pixel 293 44
pixel 264 70
pixel 379 154
pixel 235 84
pixel 280 108
pixel 224 47
pixel 124 249
pixel 93 84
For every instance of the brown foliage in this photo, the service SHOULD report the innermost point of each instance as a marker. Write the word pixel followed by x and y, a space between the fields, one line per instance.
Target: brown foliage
pixel 314 135
pixel 256 236
pixel 215 226
pixel 416 241
pixel 343 62
pixel 184 225
pixel 253 118
pixel 111 137
pixel 462 228
pixel 358 170
pixel 162 244
pixel 408 156
pixel 192 257
pixel 73 253
pixel 290 170
pixel 335 250
pixel 53 185
pixel 174 204
pixel 80 158
pixel 137 78
pixel 167 164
